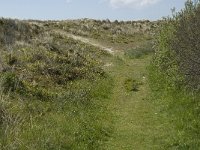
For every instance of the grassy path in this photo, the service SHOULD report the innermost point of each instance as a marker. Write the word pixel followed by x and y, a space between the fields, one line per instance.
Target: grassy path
pixel 137 124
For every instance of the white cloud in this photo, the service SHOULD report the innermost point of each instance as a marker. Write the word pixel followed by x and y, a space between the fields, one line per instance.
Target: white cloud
pixel 68 1
pixel 131 3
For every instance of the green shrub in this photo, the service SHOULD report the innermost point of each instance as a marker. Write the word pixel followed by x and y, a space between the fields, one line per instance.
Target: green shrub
pixel 174 76
pixel 11 83
pixel 132 85
pixel 178 48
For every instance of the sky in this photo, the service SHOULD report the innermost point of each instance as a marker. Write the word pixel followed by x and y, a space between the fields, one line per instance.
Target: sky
pixel 94 9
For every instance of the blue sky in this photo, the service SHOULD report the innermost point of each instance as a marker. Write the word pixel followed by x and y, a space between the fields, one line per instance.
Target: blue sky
pixel 96 9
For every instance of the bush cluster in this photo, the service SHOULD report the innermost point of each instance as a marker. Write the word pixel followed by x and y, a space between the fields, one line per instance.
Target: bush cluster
pixel 175 76
pixel 178 47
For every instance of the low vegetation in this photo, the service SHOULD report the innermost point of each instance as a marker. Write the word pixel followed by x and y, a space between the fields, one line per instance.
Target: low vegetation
pixel 53 92
pixel 140 51
pixel 117 34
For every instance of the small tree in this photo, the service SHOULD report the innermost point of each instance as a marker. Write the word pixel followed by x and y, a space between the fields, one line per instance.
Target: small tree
pixel 186 43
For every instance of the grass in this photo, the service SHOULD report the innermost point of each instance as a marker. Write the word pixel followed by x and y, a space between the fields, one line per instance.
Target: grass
pixel 180 107
pixel 78 119
pixel 137 122
pixel 153 116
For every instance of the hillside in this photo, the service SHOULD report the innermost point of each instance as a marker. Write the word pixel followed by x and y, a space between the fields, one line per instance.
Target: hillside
pixel 55 90
pixel 91 85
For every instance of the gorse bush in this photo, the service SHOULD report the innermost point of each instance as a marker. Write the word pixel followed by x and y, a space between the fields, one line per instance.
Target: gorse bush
pixel 41 68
